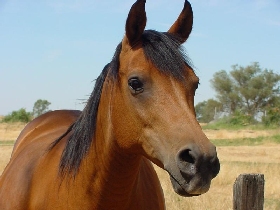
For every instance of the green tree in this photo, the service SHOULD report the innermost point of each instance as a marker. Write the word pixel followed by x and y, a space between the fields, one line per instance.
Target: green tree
pixel 18 116
pixel 40 107
pixel 226 94
pixel 248 89
pixel 206 110
pixel 272 113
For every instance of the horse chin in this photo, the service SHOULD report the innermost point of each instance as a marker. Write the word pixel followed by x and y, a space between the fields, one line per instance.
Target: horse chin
pixel 189 189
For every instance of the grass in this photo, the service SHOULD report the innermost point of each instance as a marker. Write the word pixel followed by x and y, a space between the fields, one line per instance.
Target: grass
pixel 7 143
pixel 220 196
pixel 261 140
pixel 240 151
pixel 224 123
pixel 258 153
pixel 219 126
pixel 10 131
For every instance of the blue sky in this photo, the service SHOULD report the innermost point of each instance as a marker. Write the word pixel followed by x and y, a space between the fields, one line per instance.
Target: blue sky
pixel 54 49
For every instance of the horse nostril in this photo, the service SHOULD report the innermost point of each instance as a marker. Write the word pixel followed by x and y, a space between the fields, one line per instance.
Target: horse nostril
pixel 186 161
pixel 190 161
pixel 186 156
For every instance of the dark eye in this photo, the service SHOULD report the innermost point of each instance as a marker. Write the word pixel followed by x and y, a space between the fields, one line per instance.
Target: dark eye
pixel 136 85
pixel 196 85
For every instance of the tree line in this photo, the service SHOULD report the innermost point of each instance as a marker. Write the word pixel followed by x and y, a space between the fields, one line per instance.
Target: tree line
pixel 243 95
pixel 40 107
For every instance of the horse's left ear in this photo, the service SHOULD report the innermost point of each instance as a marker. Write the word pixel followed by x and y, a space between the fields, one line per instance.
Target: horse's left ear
pixel 183 25
pixel 136 22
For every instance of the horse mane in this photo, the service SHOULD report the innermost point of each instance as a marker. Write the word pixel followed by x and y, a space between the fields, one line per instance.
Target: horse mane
pixel 163 50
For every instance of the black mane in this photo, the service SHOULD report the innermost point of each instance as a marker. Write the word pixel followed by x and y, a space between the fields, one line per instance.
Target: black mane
pixel 163 50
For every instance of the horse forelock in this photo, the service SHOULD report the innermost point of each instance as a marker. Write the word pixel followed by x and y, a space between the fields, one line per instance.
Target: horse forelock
pixel 163 50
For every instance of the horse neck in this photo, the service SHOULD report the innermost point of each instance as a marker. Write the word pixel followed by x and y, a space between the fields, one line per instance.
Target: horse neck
pixel 113 173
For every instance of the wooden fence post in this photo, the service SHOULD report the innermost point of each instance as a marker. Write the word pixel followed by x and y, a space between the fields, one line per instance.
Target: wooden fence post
pixel 248 192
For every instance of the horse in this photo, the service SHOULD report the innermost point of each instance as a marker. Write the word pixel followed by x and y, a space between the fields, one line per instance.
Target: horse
pixel 140 112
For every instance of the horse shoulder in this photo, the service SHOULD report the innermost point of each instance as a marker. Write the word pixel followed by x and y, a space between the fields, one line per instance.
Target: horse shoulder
pixel 29 158
pixel 54 121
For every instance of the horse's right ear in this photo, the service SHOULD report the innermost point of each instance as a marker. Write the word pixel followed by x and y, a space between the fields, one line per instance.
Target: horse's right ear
pixel 136 22
pixel 183 25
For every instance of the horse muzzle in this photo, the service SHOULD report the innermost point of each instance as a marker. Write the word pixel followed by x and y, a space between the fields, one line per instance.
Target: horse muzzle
pixel 192 171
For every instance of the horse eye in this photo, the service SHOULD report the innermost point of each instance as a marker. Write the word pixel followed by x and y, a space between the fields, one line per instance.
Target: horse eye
pixel 136 85
pixel 196 85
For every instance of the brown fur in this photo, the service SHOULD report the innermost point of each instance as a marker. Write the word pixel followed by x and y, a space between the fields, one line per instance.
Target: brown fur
pixel 133 128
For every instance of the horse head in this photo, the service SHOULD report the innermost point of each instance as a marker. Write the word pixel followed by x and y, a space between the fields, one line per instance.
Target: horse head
pixel 154 108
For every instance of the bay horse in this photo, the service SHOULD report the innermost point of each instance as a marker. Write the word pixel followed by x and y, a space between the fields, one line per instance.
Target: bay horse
pixel 140 112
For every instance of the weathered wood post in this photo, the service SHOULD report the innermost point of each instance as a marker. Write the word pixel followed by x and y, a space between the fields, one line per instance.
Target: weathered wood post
pixel 248 192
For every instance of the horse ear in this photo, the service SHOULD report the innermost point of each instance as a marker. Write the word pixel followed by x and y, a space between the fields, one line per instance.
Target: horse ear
pixel 136 22
pixel 183 25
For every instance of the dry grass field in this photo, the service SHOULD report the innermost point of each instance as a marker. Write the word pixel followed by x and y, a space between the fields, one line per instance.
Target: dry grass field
pixel 264 158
